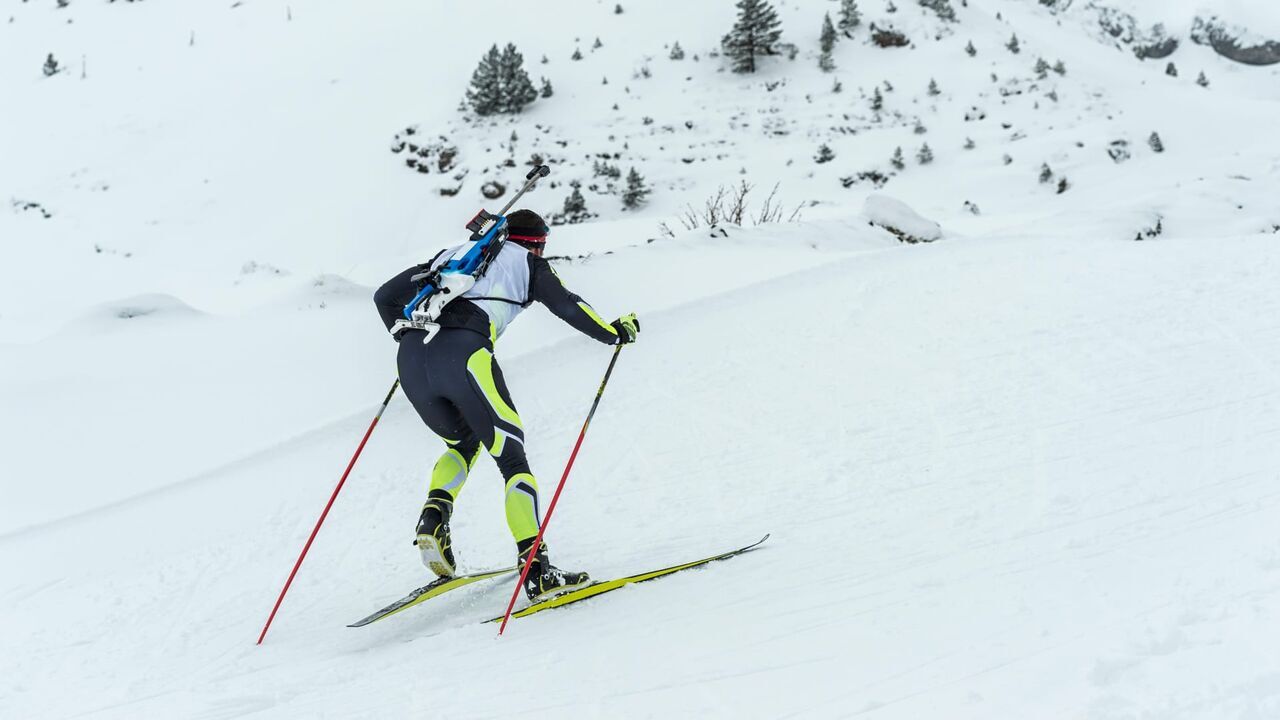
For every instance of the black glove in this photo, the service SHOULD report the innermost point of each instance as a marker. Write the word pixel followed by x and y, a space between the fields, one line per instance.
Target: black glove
pixel 627 327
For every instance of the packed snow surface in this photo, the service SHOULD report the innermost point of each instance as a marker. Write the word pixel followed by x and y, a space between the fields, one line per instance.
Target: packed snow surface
pixel 1030 470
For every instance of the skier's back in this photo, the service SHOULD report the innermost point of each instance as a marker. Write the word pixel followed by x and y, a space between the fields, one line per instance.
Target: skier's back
pixel 456 385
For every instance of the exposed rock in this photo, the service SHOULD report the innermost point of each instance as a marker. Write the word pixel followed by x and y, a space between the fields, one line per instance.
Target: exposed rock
pixel 1233 43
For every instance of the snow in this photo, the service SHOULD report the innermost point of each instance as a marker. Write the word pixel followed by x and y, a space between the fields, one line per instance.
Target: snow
pixel 1026 471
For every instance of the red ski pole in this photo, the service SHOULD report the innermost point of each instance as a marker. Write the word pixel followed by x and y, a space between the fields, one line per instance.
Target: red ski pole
pixel 328 505
pixel 552 508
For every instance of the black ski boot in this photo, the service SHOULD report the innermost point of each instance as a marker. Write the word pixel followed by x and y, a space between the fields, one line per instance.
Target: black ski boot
pixel 545 581
pixel 433 539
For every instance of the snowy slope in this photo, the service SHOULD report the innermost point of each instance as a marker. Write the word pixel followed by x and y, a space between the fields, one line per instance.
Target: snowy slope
pixel 1026 471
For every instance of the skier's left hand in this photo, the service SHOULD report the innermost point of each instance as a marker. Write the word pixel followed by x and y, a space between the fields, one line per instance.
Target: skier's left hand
pixel 627 327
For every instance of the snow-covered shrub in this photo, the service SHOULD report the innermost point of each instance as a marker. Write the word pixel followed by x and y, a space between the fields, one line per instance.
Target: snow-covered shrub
pixel 604 169
pixel 51 66
pixel 1119 150
pixel 900 220
pixel 1013 45
pixel 897 160
pixel 875 177
pixel 825 155
pixel 493 190
pixel 1155 142
pixel 942 8
pixel 924 155
pixel 677 52
pixel 1152 231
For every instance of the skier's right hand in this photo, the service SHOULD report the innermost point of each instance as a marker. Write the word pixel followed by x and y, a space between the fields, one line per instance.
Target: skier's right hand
pixel 627 327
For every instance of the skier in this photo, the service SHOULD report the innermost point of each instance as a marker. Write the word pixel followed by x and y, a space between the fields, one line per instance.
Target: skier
pixel 456 386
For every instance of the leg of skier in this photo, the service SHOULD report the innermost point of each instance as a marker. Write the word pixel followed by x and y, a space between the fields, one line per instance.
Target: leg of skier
pixel 457 387
pixel 442 417
pixel 485 403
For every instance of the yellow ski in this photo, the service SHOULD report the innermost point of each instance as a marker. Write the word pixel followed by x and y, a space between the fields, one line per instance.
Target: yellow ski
pixel 434 589
pixel 605 586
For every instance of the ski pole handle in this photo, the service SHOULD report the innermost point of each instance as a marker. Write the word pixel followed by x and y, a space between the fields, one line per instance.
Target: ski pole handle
pixel 531 179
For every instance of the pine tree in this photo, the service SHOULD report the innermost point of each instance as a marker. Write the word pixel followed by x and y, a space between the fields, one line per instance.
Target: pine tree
pixel 617 9
pixel 1042 68
pixel 877 100
pixel 1046 174
pixel 838 87
pixel 942 8
pixel 969 144
pixel 1060 68
pixel 755 33
pixel 1202 81
pixel 677 52
pixel 50 66
pixel 924 155
pixel 933 87
pixel 1171 70
pixel 597 45
pixel 969 48
pixel 547 90
pixel 827 41
pixel 577 54
pixel 850 18
pixel 1155 142
pixel 517 88
pixel 575 203
pixel 500 83
pixel 485 94
pixel 1013 45
pixel 636 192
pixel 825 155
pixel 897 160
pixel 575 207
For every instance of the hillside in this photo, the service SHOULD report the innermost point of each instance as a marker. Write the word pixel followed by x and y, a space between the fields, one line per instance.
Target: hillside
pixel 1028 470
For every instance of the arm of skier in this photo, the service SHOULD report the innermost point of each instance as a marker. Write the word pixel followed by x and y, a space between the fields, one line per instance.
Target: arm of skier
pixel 546 288
pixel 395 294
